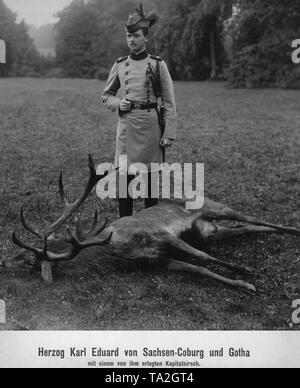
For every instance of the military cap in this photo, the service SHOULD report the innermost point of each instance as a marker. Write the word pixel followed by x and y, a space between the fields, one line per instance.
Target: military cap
pixel 140 20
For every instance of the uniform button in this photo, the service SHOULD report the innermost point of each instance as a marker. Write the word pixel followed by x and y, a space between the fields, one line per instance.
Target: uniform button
pixel 127 64
pixel 127 91
pixel 126 82
pixel 127 72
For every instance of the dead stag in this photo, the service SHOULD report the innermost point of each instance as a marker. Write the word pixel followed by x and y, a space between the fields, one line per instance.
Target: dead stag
pixel 156 234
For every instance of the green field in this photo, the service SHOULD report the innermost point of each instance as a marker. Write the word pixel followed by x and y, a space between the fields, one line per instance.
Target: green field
pixel 249 141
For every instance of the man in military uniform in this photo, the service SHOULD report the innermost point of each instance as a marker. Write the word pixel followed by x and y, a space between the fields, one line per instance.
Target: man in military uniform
pixel 139 132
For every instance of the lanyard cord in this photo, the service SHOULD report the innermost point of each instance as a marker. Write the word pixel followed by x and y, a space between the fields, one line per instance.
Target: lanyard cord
pixel 148 82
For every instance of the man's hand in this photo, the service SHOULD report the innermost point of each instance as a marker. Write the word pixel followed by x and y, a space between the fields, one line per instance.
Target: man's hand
pixel 166 143
pixel 125 105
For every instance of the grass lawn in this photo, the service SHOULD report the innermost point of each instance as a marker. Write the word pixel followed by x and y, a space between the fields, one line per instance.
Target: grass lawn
pixel 249 141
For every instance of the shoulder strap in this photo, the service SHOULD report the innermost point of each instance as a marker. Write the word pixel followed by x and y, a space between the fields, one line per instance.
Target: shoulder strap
pixel 154 76
pixel 121 59
pixel 157 58
pixel 158 76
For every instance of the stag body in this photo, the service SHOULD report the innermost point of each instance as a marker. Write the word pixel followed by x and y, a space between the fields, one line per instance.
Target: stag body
pixel 160 235
pixel 163 220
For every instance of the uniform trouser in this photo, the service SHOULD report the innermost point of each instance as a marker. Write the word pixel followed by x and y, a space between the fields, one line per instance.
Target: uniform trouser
pixel 126 204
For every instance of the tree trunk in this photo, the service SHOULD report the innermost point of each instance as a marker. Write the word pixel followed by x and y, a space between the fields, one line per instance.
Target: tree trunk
pixel 213 60
pixel 228 9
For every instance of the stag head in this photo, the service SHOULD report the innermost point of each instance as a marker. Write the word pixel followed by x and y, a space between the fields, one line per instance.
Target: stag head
pixel 78 239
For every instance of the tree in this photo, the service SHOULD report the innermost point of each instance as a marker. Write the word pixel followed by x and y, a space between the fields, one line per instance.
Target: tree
pixel 262 32
pixel 21 56
pixel 26 62
pixel 7 31
pixel 214 12
pixel 91 36
pixel 77 30
pixel 191 37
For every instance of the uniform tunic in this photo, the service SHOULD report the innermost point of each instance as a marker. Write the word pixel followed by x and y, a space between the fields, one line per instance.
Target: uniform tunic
pixel 138 132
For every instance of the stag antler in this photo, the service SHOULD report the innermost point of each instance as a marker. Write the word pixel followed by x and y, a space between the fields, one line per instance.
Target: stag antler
pixel 70 208
pixel 78 239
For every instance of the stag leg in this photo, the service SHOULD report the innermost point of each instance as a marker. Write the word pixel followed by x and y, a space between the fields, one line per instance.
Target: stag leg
pixel 181 266
pixel 182 248
pixel 216 211
pixel 223 233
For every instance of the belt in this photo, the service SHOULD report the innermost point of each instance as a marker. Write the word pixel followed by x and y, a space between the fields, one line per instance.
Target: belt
pixel 143 106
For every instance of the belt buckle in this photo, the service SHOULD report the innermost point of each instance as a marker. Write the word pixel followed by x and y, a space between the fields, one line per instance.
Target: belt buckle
pixel 136 106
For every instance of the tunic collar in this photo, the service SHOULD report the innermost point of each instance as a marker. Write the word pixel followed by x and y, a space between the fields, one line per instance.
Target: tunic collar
pixel 139 57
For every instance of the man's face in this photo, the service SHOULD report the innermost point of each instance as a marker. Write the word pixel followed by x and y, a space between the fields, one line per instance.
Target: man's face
pixel 136 41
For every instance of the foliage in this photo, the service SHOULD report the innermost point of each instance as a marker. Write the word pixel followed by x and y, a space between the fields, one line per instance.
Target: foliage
pixel 22 57
pixel 262 34
pixel 184 38
pixel 199 39
pixel 91 36
pixel 76 29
